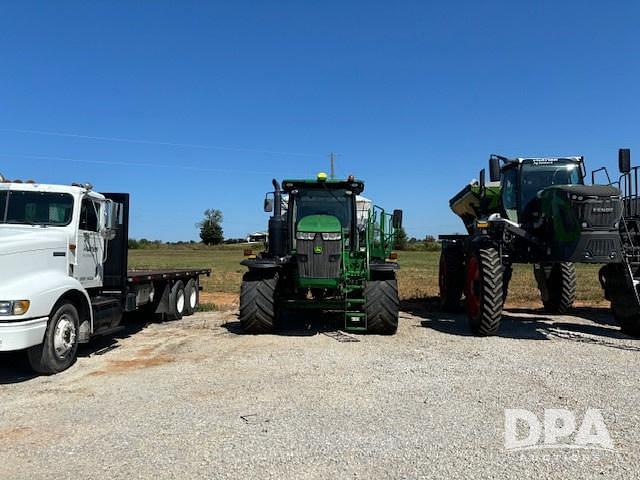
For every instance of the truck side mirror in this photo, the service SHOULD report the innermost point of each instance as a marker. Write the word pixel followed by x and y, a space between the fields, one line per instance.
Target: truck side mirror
pixel 494 169
pixel 397 219
pixel 110 220
pixel 624 160
pixel 268 204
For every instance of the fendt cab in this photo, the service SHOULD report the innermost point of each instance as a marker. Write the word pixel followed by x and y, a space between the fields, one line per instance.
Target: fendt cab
pixel 329 249
pixel 621 281
pixel 534 210
pixel 63 251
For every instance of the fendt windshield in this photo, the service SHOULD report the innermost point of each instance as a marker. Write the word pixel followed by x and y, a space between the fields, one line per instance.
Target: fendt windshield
pixel 324 202
pixel 35 208
pixel 539 175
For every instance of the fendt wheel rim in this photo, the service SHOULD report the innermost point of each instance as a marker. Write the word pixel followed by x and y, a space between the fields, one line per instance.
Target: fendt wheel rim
pixel 64 337
pixel 193 298
pixel 472 290
pixel 180 302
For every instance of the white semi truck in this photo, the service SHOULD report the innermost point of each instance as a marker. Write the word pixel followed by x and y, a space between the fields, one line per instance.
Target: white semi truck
pixel 64 276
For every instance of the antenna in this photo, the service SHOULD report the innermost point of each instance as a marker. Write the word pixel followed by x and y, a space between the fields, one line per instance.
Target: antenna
pixel 332 158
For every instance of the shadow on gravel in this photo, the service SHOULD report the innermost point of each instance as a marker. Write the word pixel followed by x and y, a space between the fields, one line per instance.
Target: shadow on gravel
pixel 14 366
pixel 297 324
pixel 602 330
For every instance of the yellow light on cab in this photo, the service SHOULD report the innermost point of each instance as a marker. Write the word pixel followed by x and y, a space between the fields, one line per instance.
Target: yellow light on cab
pixel 322 177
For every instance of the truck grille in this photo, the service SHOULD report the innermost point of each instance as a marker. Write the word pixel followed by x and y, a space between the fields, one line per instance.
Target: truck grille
pixel 600 247
pixel 325 264
pixel 598 213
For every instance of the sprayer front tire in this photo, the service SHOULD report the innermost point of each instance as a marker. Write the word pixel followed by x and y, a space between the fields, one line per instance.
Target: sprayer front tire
pixel 484 291
pixel 451 277
pixel 382 306
pixel 258 295
pixel 557 285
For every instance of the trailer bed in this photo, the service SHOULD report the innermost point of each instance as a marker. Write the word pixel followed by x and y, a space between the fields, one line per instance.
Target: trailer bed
pixel 135 276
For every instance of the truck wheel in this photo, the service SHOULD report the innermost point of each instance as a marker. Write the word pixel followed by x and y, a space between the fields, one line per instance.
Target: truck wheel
pixel 557 285
pixel 177 301
pixel 451 278
pixel 382 306
pixel 484 291
pixel 192 297
pixel 58 350
pixel 258 295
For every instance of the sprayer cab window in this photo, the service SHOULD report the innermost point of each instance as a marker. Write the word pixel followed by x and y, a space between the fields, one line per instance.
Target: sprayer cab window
pixel 35 208
pixel 325 202
pixel 536 177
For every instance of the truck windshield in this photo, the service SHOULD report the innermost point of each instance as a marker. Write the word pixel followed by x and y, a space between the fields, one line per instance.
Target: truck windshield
pixel 35 208
pixel 324 202
pixel 537 176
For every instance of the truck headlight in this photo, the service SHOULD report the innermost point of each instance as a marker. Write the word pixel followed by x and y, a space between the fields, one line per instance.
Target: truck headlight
pixel 331 236
pixel 305 235
pixel 14 307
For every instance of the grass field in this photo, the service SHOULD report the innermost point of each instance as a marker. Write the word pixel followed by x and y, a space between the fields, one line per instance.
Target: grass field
pixel 418 275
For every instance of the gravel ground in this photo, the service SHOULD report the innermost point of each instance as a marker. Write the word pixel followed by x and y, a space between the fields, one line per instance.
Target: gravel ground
pixel 197 399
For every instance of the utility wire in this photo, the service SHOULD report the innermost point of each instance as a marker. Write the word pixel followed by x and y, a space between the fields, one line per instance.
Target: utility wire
pixel 136 164
pixel 152 142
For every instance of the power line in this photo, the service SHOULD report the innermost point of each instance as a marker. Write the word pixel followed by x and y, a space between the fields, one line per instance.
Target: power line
pixel 153 142
pixel 135 164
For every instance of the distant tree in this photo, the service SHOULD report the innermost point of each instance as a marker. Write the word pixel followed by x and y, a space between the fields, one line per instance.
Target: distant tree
pixel 400 242
pixel 133 244
pixel 430 239
pixel 211 227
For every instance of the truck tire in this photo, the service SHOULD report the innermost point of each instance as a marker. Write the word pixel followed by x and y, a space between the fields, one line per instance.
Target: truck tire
pixel 177 301
pixel 451 278
pixel 192 297
pixel 258 296
pixel 58 350
pixel 382 306
pixel 557 285
pixel 484 291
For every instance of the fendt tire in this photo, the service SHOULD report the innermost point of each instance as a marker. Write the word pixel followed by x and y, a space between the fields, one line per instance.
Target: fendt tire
pixel 192 297
pixel 177 301
pixel 484 291
pixel 451 278
pixel 258 297
pixel 58 350
pixel 557 284
pixel 382 306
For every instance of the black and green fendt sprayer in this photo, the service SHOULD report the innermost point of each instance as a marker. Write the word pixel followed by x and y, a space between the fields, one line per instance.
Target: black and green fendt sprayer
pixel 534 210
pixel 329 249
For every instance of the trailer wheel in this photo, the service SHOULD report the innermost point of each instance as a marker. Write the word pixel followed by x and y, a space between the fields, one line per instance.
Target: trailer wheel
pixel 58 350
pixel 258 296
pixel 451 277
pixel 484 291
pixel 192 297
pixel 382 306
pixel 557 285
pixel 177 301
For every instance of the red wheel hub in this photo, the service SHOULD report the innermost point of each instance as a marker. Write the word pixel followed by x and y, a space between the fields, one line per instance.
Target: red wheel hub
pixel 472 287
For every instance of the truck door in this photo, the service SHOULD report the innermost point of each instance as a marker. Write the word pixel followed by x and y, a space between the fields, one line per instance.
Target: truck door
pixel 90 245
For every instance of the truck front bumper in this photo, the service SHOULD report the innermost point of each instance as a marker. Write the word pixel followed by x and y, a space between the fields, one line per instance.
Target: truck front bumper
pixel 19 335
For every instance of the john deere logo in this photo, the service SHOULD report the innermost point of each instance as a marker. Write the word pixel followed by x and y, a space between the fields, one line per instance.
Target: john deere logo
pixel 317 249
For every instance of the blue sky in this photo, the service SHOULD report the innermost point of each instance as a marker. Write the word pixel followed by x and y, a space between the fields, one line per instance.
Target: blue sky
pixel 412 96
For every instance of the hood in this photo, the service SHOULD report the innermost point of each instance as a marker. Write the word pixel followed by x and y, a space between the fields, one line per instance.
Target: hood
pixel 319 223
pixel 20 239
pixel 587 190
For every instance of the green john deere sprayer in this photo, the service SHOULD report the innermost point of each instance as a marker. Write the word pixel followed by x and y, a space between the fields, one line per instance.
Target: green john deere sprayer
pixel 329 249
pixel 534 210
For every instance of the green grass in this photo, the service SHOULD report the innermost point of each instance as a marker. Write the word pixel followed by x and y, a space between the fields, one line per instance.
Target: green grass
pixel 418 275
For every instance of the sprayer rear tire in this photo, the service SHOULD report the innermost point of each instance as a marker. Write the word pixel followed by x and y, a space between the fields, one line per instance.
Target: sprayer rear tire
pixel 484 291
pixel 382 306
pixel 451 278
pixel 557 285
pixel 258 295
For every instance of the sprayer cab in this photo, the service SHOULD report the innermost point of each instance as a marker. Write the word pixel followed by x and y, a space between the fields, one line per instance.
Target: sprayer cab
pixel 326 244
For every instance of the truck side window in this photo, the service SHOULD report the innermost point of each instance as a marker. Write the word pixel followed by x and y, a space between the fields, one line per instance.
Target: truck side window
pixel 88 217
pixel 510 193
